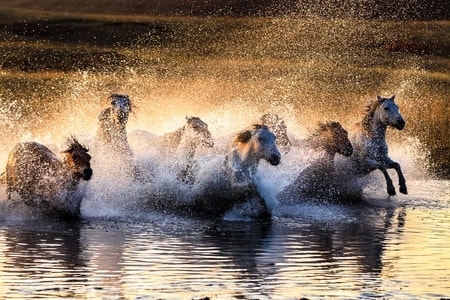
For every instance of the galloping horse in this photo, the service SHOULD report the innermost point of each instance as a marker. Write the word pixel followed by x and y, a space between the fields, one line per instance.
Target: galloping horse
pixel 41 179
pixel 111 142
pixel 184 142
pixel 369 142
pixel 331 138
pixel 112 131
pixel 216 191
pixel 324 143
pixel 279 128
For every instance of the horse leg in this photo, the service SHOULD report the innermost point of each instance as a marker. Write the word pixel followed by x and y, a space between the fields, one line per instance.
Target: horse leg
pixel 389 185
pixel 401 179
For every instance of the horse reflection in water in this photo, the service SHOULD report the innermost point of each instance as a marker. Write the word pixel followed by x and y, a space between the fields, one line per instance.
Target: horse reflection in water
pixel 42 180
pixel 277 125
pixel 219 188
pixel 49 252
pixel 111 137
pixel 369 142
pixel 317 180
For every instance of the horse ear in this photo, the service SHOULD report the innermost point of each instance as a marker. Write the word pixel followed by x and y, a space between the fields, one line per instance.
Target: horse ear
pixel 392 98
pixel 244 136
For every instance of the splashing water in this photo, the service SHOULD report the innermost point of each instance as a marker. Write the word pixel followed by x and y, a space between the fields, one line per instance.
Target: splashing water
pixel 288 66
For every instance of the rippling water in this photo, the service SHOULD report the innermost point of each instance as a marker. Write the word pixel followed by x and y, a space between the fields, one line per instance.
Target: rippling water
pixel 383 248
pixel 228 72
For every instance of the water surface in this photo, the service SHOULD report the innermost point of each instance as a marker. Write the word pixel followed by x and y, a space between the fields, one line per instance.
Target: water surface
pixel 383 248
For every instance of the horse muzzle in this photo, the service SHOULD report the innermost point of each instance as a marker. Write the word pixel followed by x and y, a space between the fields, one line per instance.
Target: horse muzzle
pixel 275 159
pixel 400 124
pixel 347 151
pixel 86 174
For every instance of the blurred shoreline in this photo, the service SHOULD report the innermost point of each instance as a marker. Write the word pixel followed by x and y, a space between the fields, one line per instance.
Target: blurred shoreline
pixel 310 66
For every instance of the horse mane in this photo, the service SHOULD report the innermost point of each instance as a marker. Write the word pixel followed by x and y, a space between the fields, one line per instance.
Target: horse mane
pixel 370 109
pixel 270 118
pixel 312 140
pixel 73 144
pixel 245 135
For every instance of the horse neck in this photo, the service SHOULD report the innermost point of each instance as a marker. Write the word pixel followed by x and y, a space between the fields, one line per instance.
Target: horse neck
pixel 249 159
pixel 174 138
pixel 112 131
pixel 239 168
pixel 66 172
pixel 374 128
pixel 321 143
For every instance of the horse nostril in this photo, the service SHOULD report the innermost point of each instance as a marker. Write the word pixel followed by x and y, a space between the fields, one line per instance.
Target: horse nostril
pixel 275 159
pixel 348 151
pixel 87 173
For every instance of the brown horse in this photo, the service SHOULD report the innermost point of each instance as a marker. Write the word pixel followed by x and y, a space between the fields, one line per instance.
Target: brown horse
pixel 316 180
pixel 330 138
pixel 41 179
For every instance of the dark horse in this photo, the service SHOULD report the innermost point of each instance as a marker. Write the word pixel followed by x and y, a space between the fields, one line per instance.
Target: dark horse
pixel 42 180
pixel 112 131
pixel 316 180
pixel 369 142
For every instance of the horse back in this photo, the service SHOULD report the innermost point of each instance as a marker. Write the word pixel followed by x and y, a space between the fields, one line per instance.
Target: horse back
pixel 28 162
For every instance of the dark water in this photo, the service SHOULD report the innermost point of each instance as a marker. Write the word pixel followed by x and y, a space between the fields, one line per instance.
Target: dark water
pixel 384 248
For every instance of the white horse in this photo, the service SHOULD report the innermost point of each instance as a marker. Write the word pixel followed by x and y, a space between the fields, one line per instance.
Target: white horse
pixel 369 143
pixel 42 180
pixel 177 148
pixel 232 182
pixel 111 132
pixel 111 141
pixel 277 125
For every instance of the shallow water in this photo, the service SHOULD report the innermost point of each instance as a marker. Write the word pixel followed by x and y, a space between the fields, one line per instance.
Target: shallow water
pixel 383 248
pixel 229 73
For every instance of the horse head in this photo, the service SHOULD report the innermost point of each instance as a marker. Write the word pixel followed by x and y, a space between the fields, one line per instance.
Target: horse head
pixel 279 128
pixel 120 107
pixel 200 130
pixel 258 143
pixel 78 159
pixel 386 112
pixel 336 138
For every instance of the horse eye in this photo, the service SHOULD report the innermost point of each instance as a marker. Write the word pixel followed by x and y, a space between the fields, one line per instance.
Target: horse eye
pixel 386 108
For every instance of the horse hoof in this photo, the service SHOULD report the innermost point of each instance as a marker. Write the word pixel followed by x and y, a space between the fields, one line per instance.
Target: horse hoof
pixel 391 192
pixel 264 216
pixel 404 190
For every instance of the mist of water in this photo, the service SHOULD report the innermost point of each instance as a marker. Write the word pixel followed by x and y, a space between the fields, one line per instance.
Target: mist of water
pixel 306 71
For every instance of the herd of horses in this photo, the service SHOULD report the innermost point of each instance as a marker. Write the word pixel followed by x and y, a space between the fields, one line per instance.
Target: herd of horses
pixel 35 176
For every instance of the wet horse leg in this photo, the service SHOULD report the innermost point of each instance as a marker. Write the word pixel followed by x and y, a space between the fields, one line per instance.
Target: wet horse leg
pixel 401 179
pixel 389 185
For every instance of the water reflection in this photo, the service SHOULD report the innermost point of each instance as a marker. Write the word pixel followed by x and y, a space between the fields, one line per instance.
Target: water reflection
pixel 41 258
pixel 330 251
